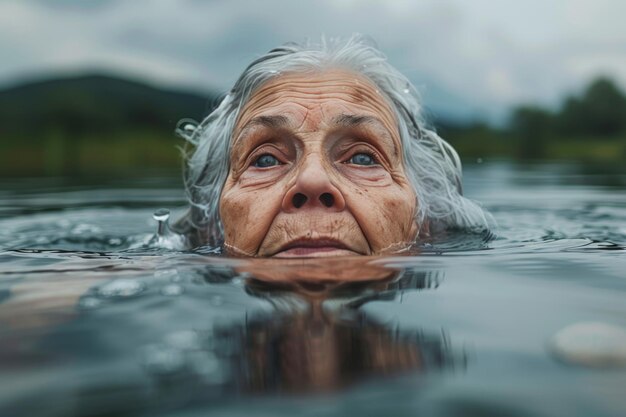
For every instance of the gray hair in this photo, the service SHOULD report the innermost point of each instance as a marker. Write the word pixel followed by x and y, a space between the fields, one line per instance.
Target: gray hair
pixel 432 165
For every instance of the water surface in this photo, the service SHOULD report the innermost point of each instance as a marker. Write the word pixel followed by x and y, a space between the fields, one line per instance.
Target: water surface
pixel 94 321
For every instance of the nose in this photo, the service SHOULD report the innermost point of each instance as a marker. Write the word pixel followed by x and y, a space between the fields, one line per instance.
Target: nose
pixel 313 188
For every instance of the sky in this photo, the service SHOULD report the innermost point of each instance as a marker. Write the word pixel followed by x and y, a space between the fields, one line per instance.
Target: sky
pixel 469 59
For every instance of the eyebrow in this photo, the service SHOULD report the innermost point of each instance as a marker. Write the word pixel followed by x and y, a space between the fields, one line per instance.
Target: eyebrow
pixel 272 122
pixel 343 120
pixel 352 120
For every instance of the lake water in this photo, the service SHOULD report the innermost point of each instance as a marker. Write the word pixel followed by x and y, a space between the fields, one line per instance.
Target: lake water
pixel 528 322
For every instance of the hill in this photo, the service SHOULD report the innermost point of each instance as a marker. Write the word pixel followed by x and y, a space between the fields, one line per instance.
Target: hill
pixel 93 124
pixel 87 104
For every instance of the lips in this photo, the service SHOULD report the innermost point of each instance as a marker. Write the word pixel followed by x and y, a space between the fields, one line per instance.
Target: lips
pixel 314 248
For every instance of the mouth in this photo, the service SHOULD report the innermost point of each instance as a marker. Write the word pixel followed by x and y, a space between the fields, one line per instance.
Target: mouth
pixel 309 248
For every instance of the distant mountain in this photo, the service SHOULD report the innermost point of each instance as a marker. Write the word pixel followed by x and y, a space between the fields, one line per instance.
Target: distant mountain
pixel 100 105
pixel 84 105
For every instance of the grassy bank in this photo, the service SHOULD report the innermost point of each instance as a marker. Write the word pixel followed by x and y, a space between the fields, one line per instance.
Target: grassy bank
pixel 138 151
pixel 495 144
pixel 59 155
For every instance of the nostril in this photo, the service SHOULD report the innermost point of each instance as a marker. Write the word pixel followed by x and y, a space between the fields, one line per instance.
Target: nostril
pixel 327 199
pixel 298 200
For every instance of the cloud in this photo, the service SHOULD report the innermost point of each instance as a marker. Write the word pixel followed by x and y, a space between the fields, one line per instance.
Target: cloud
pixel 489 54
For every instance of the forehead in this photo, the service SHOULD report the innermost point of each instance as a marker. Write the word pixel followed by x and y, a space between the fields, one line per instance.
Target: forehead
pixel 309 99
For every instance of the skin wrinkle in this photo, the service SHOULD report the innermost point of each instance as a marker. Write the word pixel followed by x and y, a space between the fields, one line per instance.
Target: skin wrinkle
pixel 379 131
pixel 275 122
pixel 311 87
pixel 425 160
pixel 312 123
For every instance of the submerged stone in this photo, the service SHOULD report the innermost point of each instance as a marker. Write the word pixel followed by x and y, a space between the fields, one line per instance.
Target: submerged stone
pixel 591 344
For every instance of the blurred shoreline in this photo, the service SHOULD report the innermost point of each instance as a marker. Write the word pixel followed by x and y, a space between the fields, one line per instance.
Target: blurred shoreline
pixel 99 125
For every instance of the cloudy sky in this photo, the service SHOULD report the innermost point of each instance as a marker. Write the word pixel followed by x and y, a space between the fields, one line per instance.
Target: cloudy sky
pixel 468 58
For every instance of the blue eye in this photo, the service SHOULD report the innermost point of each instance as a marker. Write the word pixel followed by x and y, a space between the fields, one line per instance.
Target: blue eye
pixel 362 159
pixel 265 161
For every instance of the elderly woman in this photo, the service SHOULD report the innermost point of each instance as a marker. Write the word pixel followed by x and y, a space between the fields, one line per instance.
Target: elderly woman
pixel 320 150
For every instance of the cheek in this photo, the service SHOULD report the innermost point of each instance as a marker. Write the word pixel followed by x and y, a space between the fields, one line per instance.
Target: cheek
pixel 386 215
pixel 366 177
pixel 246 216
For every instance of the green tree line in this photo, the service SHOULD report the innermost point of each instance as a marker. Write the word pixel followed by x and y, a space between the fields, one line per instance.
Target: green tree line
pixel 101 124
pixel 598 114
pixel 591 125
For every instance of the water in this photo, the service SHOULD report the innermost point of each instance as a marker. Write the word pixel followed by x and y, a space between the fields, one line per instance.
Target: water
pixel 97 321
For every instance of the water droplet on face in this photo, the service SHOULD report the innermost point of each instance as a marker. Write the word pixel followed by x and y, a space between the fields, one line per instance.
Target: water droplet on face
pixel 172 290
pixel 121 288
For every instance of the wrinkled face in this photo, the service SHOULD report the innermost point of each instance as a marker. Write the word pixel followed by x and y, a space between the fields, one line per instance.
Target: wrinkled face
pixel 316 170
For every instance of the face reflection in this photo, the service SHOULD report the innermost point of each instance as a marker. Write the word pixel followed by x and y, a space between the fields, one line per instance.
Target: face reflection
pixel 316 170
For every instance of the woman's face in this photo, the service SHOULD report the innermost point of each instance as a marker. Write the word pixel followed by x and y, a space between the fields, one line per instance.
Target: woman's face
pixel 316 170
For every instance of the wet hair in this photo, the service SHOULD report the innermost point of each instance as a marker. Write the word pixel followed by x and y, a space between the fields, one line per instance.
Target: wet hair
pixel 432 165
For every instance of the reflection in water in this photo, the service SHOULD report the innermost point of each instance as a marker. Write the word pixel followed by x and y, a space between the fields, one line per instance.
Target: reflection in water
pixel 233 327
pixel 321 353
pixel 317 338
